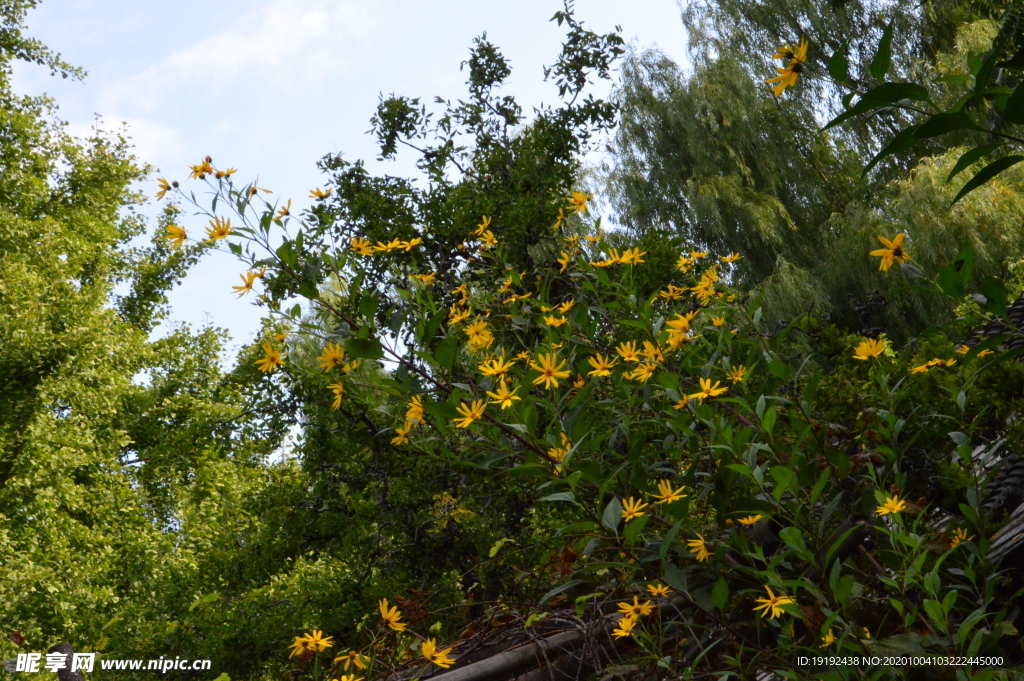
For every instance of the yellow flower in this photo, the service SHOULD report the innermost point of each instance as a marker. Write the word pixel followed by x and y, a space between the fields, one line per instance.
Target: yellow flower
pixel 673 292
pixel 415 412
pixel 348 677
pixel 643 372
pixel 321 194
pixel 827 640
pixel 788 76
pixel 360 246
pixel 578 202
pixel 566 306
pixel 893 252
pixel 718 321
pixel 632 256
pixel 271 360
pixel 351 366
pixel 332 356
pixel 482 227
pixel 666 494
pixel 933 363
pixel 503 395
pixel 682 321
pixel 658 590
pixel 392 245
pixel 253 188
pixel 750 519
pixel 891 505
pixel 247 281
pixel 698 547
pixel 339 392
pixel 496 366
pixel 201 170
pixel 285 211
pixel 959 536
pixel 652 352
pixel 438 657
pixel 559 453
pixel 732 257
pixel 632 508
pixel 487 240
pixel 579 382
pixel 318 642
pixel 411 243
pixel 636 608
pixel 457 314
pixel 707 390
pixel 402 434
pixel 563 259
pixel 602 366
pixel 867 634
pixel 165 187
pixel 625 628
pixel 392 616
pixel 550 370
pixel 697 255
pixel 870 347
pixel 613 259
pixel 351 658
pixel 737 374
pixel 470 413
pixel 300 647
pixel 219 228
pixel 555 321
pixel 628 352
pixel 773 603
pixel 426 279
pixel 685 263
pixel 596 238
pixel 176 235
pixel 221 174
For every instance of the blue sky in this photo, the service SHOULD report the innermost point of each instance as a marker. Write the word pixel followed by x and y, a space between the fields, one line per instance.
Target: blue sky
pixel 270 86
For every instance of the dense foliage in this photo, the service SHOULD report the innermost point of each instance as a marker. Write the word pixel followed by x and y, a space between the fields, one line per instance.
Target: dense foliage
pixel 506 409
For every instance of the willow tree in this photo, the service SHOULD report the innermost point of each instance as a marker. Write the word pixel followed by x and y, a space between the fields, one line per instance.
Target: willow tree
pixel 712 155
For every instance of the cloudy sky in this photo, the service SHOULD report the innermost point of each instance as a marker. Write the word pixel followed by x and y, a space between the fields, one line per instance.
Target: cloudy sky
pixel 270 86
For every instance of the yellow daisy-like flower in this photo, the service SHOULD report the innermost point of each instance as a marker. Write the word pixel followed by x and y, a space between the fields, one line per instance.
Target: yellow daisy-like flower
pixel 666 494
pixel 732 257
pixel 332 356
pixel 602 365
pixel 827 640
pixel 718 321
pixel 503 395
pixel 636 608
pixel 628 352
pixel 578 202
pixel 176 235
pixel 219 229
pixel 164 186
pixel 221 174
pixel 457 314
pixel 658 590
pixel 415 410
pixel 891 505
pixel 339 392
pixel 470 413
pixel 392 616
pixel 351 658
pixel 643 372
pixel 271 360
pixel 625 627
pixel 685 263
pixel 773 603
pixel 652 352
pixel 402 433
pixel 496 366
pixel 563 259
pixel 632 256
pixel 707 390
pixel 360 246
pixel 737 374
pixel 318 642
pixel 300 647
pixel 698 547
pixel 284 211
pixel 788 76
pixel 425 279
pixel 892 253
pixel 435 656
pixel 411 243
pixel 959 536
pixel 750 519
pixel 632 508
pixel 870 347
pixel 550 370
pixel 248 279
pixel 321 194
pixel 555 321
pixel 483 226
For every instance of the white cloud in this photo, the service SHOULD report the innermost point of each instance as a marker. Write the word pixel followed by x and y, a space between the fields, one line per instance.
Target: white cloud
pixel 263 46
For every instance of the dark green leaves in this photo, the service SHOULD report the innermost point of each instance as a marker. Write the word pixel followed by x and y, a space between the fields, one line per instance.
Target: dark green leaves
pixel 995 295
pixel 883 95
pixel 1014 111
pixel 883 55
pixel 364 348
pixel 987 173
pixel 953 278
pixel 969 157
pixel 839 65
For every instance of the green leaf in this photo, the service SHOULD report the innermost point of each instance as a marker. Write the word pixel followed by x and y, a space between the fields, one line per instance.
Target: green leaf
pixel 286 252
pixel 674 577
pixel 843 588
pixel 904 139
pixel 612 514
pixel 559 589
pixel 883 95
pixel 768 422
pixel 446 351
pixel 497 546
pixel 368 305
pixel 970 157
pixel 720 593
pixel 223 677
pixel 634 528
pixel 883 55
pixel 784 479
pixel 935 614
pixel 995 295
pixel 560 496
pixel 1014 110
pixel 839 65
pixel 364 348
pixel 953 278
pixel 204 600
pixel 944 122
pixel 987 173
